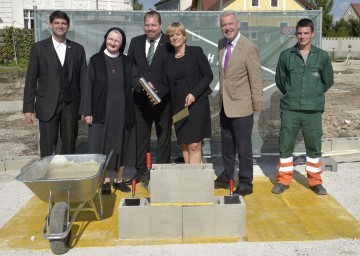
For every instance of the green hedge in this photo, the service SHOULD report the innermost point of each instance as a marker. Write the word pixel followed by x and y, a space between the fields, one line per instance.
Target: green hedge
pixel 19 38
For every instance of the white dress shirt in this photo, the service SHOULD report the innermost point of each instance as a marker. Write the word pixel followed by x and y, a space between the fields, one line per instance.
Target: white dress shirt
pixel 60 49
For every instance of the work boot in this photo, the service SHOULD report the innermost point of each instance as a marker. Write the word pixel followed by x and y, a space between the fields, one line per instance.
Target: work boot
pixel 319 190
pixel 279 188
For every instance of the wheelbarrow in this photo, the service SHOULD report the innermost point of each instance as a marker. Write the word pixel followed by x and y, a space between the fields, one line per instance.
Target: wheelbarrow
pixel 61 180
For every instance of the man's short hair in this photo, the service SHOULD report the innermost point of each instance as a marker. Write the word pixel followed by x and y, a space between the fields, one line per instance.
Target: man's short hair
pixel 153 14
pixel 228 13
pixel 305 23
pixel 59 15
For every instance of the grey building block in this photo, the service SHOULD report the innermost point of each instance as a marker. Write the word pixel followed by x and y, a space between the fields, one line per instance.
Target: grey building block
pixel 134 222
pixel 166 222
pixel 329 164
pixel 177 185
pixel 230 219
pixel 198 221
pixel 146 222
pixel 174 166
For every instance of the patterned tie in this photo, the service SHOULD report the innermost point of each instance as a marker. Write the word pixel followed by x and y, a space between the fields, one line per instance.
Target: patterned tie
pixel 227 56
pixel 150 53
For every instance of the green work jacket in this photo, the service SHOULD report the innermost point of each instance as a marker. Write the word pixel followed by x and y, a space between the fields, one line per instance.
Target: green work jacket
pixel 304 85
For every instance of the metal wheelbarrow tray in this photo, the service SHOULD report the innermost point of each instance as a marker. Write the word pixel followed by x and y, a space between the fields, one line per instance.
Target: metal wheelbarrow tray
pixel 76 181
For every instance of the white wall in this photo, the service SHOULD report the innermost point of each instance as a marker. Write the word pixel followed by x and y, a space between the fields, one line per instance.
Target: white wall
pixel 338 47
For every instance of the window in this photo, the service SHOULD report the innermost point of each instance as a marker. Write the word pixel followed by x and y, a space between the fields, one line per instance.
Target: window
pixel 255 3
pixel 274 3
pixel 28 18
pixel 244 24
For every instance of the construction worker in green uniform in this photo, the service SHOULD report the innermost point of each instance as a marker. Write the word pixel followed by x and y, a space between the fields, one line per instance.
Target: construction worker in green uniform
pixel 303 74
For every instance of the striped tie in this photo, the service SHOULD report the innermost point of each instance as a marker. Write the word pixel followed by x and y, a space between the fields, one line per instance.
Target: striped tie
pixel 150 53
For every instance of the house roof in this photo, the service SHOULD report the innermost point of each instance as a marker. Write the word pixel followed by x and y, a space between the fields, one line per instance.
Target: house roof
pixel 356 8
pixel 212 5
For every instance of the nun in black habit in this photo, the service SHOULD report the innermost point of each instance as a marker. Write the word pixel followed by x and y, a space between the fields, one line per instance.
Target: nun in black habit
pixel 108 108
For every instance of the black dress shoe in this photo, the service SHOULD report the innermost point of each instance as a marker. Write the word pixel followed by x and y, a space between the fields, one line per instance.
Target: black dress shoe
pixel 129 181
pixel 243 191
pixel 221 184
pixel 106 188
pixel 121 186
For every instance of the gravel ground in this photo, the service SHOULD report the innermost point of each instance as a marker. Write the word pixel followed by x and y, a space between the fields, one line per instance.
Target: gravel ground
pixel 343 185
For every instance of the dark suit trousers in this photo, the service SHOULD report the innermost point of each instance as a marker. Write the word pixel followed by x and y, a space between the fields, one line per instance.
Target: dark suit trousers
pixel 236 136
pixel 145 116
pixel 49 131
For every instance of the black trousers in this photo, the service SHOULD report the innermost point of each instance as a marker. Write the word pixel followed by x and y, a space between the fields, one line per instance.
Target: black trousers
pixel 236 137
pixel 63 121
pixel 145 117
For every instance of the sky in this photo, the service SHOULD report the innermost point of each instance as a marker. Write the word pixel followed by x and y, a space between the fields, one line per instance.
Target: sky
pixel 340 6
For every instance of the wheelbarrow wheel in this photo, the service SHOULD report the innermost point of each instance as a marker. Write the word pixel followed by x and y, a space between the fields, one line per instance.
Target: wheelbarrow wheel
pixel 58 224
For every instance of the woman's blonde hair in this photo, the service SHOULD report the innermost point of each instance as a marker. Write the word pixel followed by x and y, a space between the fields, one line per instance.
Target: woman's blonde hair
pixel 170 31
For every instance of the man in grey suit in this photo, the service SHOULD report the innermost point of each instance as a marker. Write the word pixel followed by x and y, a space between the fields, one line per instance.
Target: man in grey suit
pixel 240 95
pixel 56 72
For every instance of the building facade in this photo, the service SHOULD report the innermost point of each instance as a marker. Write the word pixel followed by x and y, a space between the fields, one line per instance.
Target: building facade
pixel 353 12
pixel 173 5
pixel 20 13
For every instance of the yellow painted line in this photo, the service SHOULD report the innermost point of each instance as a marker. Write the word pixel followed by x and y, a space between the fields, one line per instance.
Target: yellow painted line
pixel 296 215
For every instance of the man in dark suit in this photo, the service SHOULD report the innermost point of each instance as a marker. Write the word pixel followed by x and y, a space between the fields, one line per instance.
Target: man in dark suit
pixel 241 94
pixel 148 51
pixel 57 68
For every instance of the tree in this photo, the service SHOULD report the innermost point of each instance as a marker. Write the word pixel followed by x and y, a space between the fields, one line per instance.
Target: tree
pixel 136 5
pixel 354 27
pixel 327 6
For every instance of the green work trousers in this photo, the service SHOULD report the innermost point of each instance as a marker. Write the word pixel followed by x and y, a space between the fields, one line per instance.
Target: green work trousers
pixel 311 125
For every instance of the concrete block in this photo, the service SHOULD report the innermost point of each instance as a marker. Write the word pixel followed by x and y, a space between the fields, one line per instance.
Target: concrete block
pixel 166 222
pixel 178 185
pixel 205 166
pixel 230 219
pixel 134 221
pixel 329 164
pixel 146 222
pixel 198 221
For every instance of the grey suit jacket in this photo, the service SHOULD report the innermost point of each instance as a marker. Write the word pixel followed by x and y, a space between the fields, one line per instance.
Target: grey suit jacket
pixel 241 85
pixel 42 84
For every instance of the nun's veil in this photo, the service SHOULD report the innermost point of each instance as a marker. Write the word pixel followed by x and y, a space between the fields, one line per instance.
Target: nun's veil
pixel 123 40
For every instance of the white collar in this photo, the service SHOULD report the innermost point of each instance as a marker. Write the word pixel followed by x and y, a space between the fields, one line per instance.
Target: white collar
pixel 110 54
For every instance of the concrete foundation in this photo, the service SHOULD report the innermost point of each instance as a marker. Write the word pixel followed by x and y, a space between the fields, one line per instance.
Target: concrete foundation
pixel 182 205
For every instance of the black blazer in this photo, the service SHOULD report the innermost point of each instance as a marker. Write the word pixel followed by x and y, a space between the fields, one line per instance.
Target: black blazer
pixel 42 84
pixel 153 73
pixel 198 73
pixel 95 92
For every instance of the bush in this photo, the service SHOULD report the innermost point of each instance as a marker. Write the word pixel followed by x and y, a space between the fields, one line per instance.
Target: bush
pixel 19 38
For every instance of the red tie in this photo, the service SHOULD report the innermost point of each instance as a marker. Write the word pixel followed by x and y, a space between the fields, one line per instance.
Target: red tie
pixel 227 56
